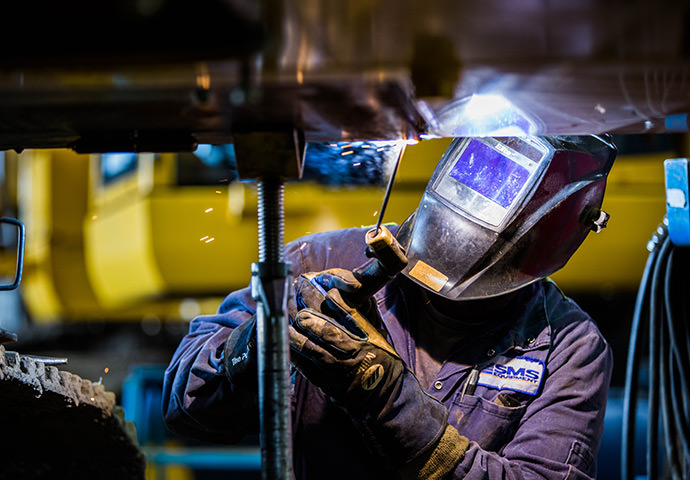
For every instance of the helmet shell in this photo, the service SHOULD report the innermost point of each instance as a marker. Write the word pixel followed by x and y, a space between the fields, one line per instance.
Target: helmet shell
pixel 458 257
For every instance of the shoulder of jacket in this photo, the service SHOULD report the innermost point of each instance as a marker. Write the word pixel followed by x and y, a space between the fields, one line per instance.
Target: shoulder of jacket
pixel 565 317
pixel 343 248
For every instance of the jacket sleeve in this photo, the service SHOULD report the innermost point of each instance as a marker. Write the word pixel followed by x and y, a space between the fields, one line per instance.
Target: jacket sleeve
pixel 198 399
pixel 558 436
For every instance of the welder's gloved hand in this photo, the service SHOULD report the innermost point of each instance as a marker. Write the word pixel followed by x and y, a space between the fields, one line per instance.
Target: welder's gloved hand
pixel 239 355
pixel 344 281
pixel 338 349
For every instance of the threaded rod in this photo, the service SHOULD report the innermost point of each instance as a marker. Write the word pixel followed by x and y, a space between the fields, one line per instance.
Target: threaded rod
pixel 271 279
pixel 271 219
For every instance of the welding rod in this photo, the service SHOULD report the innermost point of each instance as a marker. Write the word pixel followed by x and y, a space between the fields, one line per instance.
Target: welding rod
pixel 389 188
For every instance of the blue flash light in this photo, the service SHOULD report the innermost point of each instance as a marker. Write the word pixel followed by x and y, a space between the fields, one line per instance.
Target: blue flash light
pixel 483 115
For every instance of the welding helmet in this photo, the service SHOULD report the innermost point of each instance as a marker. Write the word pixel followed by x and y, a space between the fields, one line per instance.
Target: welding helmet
pixel 499 213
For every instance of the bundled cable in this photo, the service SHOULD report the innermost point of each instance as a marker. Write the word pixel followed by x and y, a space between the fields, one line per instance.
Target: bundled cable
pixel 661 318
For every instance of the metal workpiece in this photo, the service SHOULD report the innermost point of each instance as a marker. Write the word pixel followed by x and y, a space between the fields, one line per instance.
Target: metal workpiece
pixel 339 70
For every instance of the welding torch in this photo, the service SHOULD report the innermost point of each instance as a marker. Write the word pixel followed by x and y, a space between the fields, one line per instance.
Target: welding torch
pixel 384 247
pixel 390 260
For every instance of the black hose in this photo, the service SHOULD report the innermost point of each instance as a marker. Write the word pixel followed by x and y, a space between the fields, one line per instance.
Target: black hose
pixel 668 420
pixel 666 359
pixel 656 317
pixel 663 300
pixel 678 358
pixel 631 373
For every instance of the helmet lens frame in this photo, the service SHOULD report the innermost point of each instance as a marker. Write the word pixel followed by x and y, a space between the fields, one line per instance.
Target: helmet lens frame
pixel 488 179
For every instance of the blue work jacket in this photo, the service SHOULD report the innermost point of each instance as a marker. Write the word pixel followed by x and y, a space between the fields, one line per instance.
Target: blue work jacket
pixel 533 407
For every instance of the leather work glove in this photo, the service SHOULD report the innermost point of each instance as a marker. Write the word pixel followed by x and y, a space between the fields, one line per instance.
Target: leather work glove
pixel 338 349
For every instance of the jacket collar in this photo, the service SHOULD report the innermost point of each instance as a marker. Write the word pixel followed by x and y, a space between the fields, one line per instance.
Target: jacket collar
pixel 523 328
pixel 531 328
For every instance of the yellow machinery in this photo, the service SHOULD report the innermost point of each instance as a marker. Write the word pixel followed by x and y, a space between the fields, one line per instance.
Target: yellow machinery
pixel 614 259
pixel 146 243
pixel 142 246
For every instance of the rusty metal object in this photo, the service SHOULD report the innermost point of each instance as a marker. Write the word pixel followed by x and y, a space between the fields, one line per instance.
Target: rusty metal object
pixel 7 337
pixel 16 357
pixel 58 425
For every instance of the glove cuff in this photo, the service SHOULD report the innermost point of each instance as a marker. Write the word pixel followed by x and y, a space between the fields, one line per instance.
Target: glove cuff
pixel 439 461
pixel 409 425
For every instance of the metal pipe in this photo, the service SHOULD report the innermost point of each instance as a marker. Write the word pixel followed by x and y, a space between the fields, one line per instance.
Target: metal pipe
pixel 270 280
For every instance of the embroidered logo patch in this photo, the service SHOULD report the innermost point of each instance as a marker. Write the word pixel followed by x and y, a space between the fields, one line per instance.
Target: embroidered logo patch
pixel 521 374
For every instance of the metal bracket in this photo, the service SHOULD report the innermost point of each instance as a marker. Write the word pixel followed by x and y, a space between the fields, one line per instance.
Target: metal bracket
pixel 677 194
pixel 21 236
pixel 279 153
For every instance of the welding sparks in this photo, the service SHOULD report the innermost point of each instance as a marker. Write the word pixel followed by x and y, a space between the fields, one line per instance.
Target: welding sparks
pixel 218 192
pixel 209 240
pixel 349 152
pixel 203 238
pixel 210 209
pixel 106 370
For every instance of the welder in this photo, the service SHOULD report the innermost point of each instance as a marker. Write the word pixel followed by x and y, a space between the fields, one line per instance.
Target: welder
pixel 470 363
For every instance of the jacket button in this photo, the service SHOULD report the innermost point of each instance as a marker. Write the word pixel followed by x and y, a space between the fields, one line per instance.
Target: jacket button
pixel 438 385
pixel 491 353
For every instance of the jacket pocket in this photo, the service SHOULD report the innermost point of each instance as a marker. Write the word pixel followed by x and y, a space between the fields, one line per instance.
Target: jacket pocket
pixel 489 424
pixel 579 460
